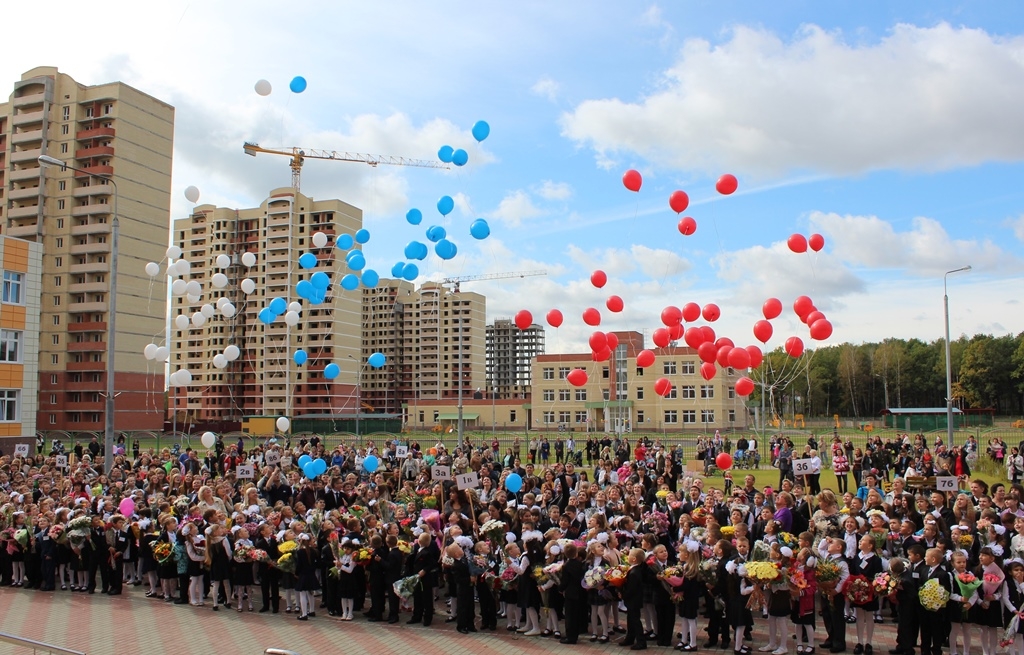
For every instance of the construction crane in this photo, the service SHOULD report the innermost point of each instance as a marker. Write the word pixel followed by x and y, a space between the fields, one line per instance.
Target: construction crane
pixel 299 155
pixel 492 276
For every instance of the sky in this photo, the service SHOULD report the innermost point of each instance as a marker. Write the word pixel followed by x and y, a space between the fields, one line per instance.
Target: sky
pixel 892 129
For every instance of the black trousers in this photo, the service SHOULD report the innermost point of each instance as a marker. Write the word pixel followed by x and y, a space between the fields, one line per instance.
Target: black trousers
pixel 48 568
pixel 574 608
pixel 717 625
pixel 634 626
pixel 488 606
pixel 666 613
pixel 183 582
pixel 393 601
pixel 270 585
pixel 842 482
pixel 833 613
pixel 378 594
pixel 465 611
pixel 423 604
pixel 117 576
pixel 907 627
pixel 933 632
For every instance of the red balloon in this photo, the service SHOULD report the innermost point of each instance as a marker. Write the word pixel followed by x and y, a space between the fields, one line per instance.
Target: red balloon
pixel 602 355
pixel 797 243
pixel 723 355
pixel 591 316
pixel 756 356
pixel 644 358
pixel 711 312
pixel 691 312
pixel 524 319
pixel 687 226
pixel 612 340
pixel 679 201
pixel 661 337
pixel 671 316
pixel 675 333
pixel 597 341
pixel 598 278
pixel 724 341
pixel 794 347
pixel 771 308
pixel 723 461
pixel 662 387
pixel 813 316
pixel 632 180
pixel 707 351
pixel 803 306
pixel 554 318
pixel 816 242
pixel 821 329
pixel 763 331
pixel 744 387
pixel 739 359
pixel 708 332
pixel 708 370
pixel 577 377
pixel 614 304
pixel 726 184
pixel 693 337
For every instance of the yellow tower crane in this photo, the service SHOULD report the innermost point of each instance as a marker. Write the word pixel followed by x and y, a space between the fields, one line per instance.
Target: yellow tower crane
pixel 298 156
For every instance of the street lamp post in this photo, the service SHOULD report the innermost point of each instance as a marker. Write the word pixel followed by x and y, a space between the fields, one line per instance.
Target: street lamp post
pixel 115 231
pixel 949 365
pixel 359 391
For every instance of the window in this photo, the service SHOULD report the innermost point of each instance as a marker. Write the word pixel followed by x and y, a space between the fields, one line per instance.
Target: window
pixel 673 393
pixel 56 301
pixel 689 416
pixel 639 393
pixel 669 368
pixel 732 415
pixel 53 419
pixel 604 373
pixel 53 399
pixel 59 242
pixel 88 112
pixel 56 339
pixel 732 392
pixel 564 417
pixel 581 394
pixel 62 185
pixel 563 371
pixel 56 319
pixel 64 148
pixel 58 261
pixel 512 415
pixel 671 416
pixel 60 223
pixel 707 416
pixel 56 280
pixel 54 359
pixel 707 391
pixel 639 416
pixel 10 346
pixel 639 371
pixel 548 374
pixel 67 112
pixel 549 418
pixel 689 391
pixel 565 394
pixel 9 405
pixel 581 417
pixel 65 129
pixel 689 368
pixel 107 108
pixel 53 378
pixel 14 287
pixel 549 395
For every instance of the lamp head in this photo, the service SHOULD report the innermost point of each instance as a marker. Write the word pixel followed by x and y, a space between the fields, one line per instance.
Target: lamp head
pixel 48 160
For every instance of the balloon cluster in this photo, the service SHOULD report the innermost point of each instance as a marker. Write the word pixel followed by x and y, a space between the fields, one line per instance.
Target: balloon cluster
pixel 678 200
pixel 798 244
pixel 296 85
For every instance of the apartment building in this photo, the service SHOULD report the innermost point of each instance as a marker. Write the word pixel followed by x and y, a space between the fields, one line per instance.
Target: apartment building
pixel 22 263
pixel 121 139
pixel 510 352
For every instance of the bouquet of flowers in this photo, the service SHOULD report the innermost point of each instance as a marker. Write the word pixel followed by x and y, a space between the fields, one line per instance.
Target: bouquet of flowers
pixel 885 584
pixel 881 538
pixel 707 570
pixel 494 530
pixel 797 580
pixel 762 572
pixel 554 571
pixel 363 556
pixel 314 521
pixel 406 587
pixel 827 574
pixel 727 531
pixel 508 578
pixel 655 521
pixel 789 540
pixel 538 574
pixel 698 534
pixel 671 576
pixel 992 580
pixel 81 524
pixel 965 541
pixel 1010 634
pixel 258 555
pixel 699 516
pixel 594 578
pixel 616 575
pixel 968 583
pixel 404 547
pixel 859 590
pixel 242 554
pixel 58 533
pixel 406 525
pixel 661 495
pixel 163 552
pixel 933 596
pixel 760 551
pixel 22 537
pixel 286 562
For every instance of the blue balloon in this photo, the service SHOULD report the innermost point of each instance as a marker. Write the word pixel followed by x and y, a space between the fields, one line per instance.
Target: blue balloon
pixel 480 229
pixel 343 242
pixel 371 463
pixel 300 357
pixel 319 280
pixel 514 482
pixel 410 272
pixel 398 269
pixel 445 205
pixel 305 459
pixel 317 297
pixel 309 470
pixel 445 249
pixel 319 466
pixel 350 282
pixel 357 263
pixel 414 216
pixel 298 84
pixel 331 371
pixel 377 360
pixel 304 289
pixel 278 306
pixel 435 233
pixel 445 154
pixel 266 315
pixel 481 130
pixel 416 250
pixel 307 260
pixel 362 236
pixel 460 157
pixel 370 278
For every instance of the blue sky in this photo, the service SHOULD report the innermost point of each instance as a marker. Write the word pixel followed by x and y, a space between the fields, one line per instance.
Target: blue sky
pixel 894 129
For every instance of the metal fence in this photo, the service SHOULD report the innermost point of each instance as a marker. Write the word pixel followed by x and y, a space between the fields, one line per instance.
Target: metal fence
pixel 36 646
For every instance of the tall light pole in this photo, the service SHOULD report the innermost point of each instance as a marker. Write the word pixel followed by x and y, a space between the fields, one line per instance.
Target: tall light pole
pixel 359 390
pixel 115 231
pixel 949 364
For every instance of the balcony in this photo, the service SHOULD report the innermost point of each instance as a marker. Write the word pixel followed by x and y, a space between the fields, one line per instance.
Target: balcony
pixel 91 228
pixel 87 366
pixel 19 175
pixel 90 267
pixel 91 307
pixel 23 212
pixel 96 151
pixel 18 156
pixel 89 210
pixel 89 248
pixel 21 194
pixel 88 326
pixel 93 190
pixel 28 118
pixel 23 231
pixel 100 171
pixel 89 287
pixel 87 346
pixel 83 135
pixel 30 99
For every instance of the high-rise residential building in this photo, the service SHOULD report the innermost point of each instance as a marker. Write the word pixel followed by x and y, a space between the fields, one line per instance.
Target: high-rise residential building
pixel 510 352
pixel 265 379
pixel 124 136
pixel 22 263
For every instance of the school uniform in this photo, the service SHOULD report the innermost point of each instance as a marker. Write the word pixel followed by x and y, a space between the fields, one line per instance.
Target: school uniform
pixel 833 610
pixel 426 560
pixel 934 624
pixel 571 586
pixel 633 597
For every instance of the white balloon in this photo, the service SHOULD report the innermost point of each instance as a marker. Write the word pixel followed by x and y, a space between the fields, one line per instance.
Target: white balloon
pixel 185 375
pixel 152 269
pixel 183 267
pixel 223 261
pixel 191 194
pixel 248 258
pixel 173 252
pixel 194 288
pixel 178 380
pixel 162 353
pixel 319 239
pixel 283 424
pixel 291 318
pixel 181 322
pixel 150 351
pixel 208 439
pixel 192 300
pixel 228 310
pixel 294 306
pixel 208 310
pixel 263 87
pixel 179 287
pixel 219 280
pixel 231 352
pixel 248 286
pixel 222 301
pixel 198 319
pixel 220 361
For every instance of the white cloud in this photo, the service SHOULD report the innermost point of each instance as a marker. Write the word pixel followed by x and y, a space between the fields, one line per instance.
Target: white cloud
pixel 547 88
pixel 515 208
pixel 463 204
pixel 920 98
pixel 655 263
pixel 1017 225
pixel 554 190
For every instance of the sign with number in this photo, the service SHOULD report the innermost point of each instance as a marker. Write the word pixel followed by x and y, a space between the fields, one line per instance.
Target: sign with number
pixel 286 462
pixel 946 483
pixel 62 461
pixel 440 473
pixel 21 450
pixel 244 472
pixel 802 467
pixel 401 452
pixel 468 480
pixel 272 457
